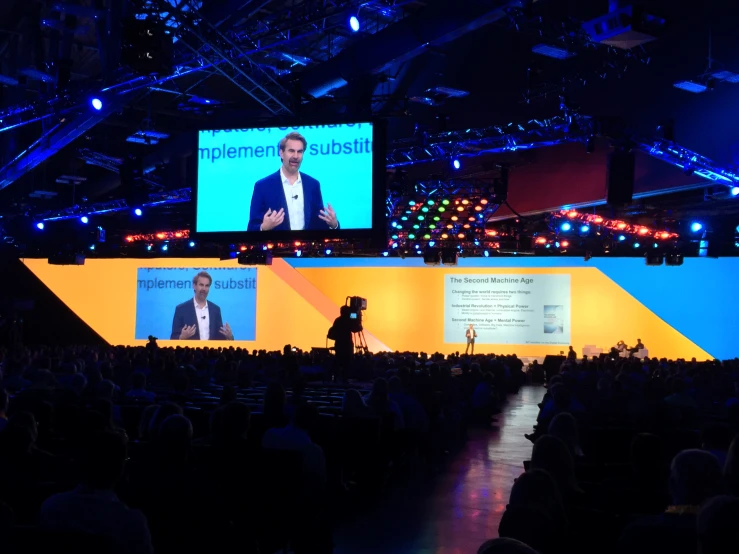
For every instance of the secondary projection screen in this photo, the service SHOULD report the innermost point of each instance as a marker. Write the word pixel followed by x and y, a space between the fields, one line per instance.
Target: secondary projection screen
pixel 508 309
pixel 167 308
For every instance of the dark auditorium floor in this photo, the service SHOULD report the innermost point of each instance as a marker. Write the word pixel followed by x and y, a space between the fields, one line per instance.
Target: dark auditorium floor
pixel 462 507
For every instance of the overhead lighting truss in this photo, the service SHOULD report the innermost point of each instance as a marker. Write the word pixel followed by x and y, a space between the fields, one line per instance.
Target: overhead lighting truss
pixel 536 133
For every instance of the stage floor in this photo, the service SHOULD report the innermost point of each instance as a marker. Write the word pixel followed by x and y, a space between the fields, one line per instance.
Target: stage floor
pixel 463 505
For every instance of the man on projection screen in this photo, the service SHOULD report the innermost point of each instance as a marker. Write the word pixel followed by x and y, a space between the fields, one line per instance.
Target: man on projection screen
pixel 289 200
pixel 198 319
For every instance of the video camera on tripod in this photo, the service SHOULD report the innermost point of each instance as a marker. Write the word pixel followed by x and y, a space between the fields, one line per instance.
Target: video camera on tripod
pixel 356 306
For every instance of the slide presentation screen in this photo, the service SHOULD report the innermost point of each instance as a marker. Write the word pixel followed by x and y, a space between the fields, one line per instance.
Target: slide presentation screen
pixel 336 169
pixel 508 308
pixel 160 290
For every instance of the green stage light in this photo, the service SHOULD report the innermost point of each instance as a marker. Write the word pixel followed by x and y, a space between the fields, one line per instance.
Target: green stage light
pixel 442 209
pixel 445 202
pixel 427 236
pixel 432 226
pixel 436 218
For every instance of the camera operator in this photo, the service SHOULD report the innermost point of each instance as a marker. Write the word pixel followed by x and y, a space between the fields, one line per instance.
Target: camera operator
pixel 341 333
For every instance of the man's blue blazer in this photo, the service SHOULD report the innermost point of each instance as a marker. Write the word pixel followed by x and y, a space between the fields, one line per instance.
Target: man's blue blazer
pixel 184 314
pixel 269 194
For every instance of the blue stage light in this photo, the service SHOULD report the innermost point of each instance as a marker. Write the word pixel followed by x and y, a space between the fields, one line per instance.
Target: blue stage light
pixel 456 164
pixel 92 247
pixel 655 245
pixel 566 226
pixel 148 246
pixel 354 23
pixel 585 229
pixel 695 226
pixel 40 226
pixel 97 103
pixel 395 245
pixel 432 242
pixel 138 212
pixel 385 254
pixel 328 251
pixel 486 253
pixel 621 238
pixel 298 253
pixel 737 228
pixel 734 191
pixel 165 248
pixel 637 245
pixel 84 219
pixel 192 244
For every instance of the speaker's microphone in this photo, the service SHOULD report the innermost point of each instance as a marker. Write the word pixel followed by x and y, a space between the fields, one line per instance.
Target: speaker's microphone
pixel 295 197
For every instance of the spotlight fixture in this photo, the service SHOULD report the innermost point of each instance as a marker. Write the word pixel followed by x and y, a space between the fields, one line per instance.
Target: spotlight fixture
pixel 696 226
pixel 734 191
pixel 432 256
pixel 97 104
pixel 354 23
pixel 673 259
pixel 40 226
pixel 449 256
pixel 84 219
pixel 137 212
pixel 456 164
pixel 654 258
pixel 255 257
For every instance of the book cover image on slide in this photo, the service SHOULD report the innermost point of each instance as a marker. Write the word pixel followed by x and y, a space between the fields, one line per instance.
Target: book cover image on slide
pixel 553 320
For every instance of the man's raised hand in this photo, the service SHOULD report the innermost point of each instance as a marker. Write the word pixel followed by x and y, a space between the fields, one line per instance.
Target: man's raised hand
pixel 272 219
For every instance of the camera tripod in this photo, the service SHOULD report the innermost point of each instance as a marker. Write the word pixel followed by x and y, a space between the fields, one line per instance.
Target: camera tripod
pixel 360 344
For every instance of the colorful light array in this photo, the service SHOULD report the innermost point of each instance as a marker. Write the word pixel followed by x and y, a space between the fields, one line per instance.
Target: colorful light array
pixel 160 236
pixel 616 225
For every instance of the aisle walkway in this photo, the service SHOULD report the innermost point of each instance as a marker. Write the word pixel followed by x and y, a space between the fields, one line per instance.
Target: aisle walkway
pixel 464 505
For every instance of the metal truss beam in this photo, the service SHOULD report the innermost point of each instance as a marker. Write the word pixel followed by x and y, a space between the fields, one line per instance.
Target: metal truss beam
pixel 211 45
pixel 178 196
pixel 488 140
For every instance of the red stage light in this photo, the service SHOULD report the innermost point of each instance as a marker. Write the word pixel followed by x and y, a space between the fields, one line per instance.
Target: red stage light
pixel 572 214
pixel 129 238
pixel 161 235
pixel 478 208
pixel 465 202
pixel 460 235
pixel 541 240
pixel 564 243
pixel 454 218
pixel 664 235
pixel 466 225
pixel 178 234
pixel 483 201
pixel 492 233
pixel 460 209
pixel 621 226
pixel 444 236
pixel 643 231
pixel 597 219
pixel 270 246
pixel 243 248
pixel 297 243
pixel 470 218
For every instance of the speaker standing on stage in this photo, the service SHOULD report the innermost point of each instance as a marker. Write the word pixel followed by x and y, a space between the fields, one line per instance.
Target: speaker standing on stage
pixel 471 334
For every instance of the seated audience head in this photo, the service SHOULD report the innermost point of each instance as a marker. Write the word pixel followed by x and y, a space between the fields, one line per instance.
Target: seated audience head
pixel 305 417
pixel 395 385
pixel 138 380
pixel 731 467
pixel 175 436
pixel 536 490
pixel 718 528
pixel 145 422
pixel 695 476
pixel 103 459
pixel 552 455
pixel 505 546
pixel 647 455
pixel 353 404
pixel 164 410
pixel 379 395
pixel 564 426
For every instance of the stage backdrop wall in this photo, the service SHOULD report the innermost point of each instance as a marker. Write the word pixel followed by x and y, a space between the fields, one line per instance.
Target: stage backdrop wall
pixel 531 306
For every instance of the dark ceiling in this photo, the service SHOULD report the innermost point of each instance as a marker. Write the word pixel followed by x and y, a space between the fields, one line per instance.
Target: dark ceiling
pixel 295 45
